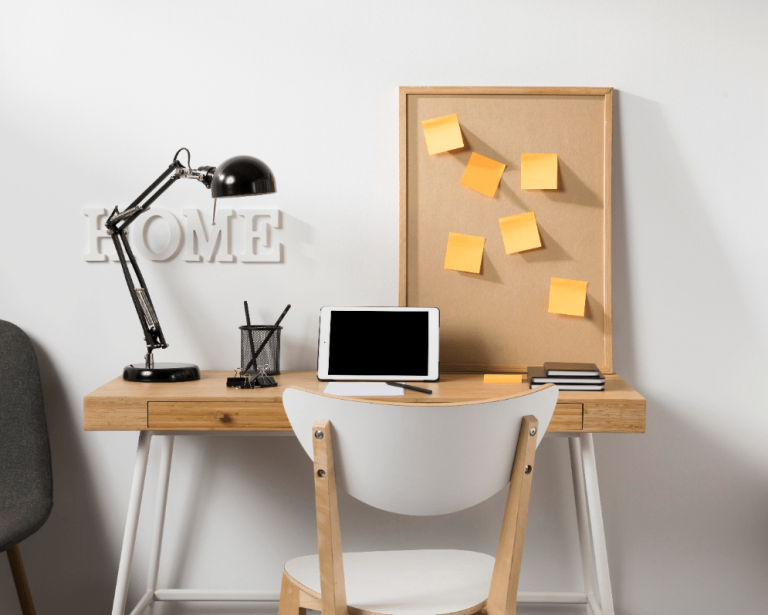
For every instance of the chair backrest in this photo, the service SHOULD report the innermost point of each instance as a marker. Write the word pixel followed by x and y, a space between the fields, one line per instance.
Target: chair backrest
pixel 422 458
pixel 25 454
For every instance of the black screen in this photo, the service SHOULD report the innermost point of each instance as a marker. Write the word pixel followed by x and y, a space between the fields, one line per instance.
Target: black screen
pixel 379 344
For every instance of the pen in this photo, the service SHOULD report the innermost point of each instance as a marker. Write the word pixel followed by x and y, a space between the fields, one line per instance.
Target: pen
pixel 408 386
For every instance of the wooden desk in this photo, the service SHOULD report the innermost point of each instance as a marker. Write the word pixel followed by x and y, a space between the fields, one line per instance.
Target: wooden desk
pixel 208 405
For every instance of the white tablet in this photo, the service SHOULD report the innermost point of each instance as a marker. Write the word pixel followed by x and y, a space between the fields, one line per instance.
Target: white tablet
pixel 379 343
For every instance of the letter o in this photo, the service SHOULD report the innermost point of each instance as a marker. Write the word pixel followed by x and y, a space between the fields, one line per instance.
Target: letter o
pixel 174 235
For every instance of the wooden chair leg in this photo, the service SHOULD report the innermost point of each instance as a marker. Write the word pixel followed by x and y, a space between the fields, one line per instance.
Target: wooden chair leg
pixel 20 578
pixel 289 599
pixel 332 587
pixel 502 599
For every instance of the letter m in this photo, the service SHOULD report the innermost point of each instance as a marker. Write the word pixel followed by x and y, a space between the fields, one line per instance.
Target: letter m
pixel 201 244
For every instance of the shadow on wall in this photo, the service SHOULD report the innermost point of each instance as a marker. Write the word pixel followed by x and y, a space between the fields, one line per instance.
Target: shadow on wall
pixel 68 561
pixel 685 506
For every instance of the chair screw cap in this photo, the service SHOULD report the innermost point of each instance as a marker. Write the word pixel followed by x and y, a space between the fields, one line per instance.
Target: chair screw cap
pixel 528 469
pixel 319 434
pixel 533 431
pixel 321 473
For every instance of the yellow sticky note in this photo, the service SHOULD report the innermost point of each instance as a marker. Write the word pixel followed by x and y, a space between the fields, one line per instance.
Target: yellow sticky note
pixel 464 253
pixel 520 233
pixel 538 172
pixel 442 134
pixel 482 174
pixel 502 379
pixel 567 297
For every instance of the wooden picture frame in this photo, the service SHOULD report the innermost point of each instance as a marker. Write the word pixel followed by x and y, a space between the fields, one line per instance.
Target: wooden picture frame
pixel 497 321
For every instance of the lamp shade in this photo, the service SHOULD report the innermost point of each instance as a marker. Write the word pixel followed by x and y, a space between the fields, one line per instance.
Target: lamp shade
pixel 242 176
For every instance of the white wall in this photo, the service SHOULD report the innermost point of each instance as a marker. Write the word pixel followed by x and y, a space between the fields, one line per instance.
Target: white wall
pixel 96 97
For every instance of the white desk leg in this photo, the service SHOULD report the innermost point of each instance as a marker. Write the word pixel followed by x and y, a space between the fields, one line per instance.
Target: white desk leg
pixel 131 523
pixel 166 455
pixel 596 523
pixel 582 520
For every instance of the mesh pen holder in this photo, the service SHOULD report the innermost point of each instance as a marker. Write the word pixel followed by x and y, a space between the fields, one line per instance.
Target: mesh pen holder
pixel 269 356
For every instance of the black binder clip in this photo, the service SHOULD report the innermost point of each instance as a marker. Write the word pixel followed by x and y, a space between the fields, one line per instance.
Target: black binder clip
pixel 262 379
pixel 238 382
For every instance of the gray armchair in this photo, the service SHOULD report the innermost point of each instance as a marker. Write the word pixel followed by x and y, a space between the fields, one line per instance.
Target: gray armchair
pixel 26 482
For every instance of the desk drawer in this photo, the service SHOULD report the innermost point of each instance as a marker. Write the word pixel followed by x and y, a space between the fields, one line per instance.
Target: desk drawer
pixel 567 417
pixel 200 415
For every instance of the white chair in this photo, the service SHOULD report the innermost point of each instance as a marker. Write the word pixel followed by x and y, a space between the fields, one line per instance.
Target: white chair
pixel 414 459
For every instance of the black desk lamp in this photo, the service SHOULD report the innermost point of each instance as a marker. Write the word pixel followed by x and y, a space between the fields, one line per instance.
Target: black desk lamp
pixel 238 176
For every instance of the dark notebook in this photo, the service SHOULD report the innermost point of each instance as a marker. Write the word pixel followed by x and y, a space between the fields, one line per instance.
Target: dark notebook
pixel 571 369
pixel 574 387
pixel 538 375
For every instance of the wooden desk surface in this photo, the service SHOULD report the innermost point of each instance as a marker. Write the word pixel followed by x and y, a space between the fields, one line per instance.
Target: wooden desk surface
pixel 208 405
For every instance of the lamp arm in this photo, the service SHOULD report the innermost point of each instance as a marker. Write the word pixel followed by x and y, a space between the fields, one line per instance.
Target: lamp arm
pixel 135 209
pixel 117 225
pixel 142 303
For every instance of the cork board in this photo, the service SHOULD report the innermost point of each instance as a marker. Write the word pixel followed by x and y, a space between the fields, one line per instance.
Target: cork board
pixel 497 320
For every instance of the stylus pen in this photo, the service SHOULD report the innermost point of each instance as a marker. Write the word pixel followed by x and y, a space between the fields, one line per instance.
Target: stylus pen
pixel 409 386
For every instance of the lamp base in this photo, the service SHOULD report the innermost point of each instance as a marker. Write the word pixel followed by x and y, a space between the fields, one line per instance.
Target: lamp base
pixel 161 372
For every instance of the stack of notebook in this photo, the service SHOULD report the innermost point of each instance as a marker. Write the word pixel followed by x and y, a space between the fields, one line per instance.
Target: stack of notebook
pixel 567 376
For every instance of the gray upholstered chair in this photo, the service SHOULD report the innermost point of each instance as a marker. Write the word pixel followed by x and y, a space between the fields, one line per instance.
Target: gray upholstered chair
pixel 26 482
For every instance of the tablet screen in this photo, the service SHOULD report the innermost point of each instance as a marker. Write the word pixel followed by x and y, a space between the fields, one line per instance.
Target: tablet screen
pixel 373 343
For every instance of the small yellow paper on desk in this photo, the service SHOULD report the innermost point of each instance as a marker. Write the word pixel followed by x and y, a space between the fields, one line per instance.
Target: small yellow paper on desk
pixel 464 253
pixel 567 297
pixel 502 379
pixel 520 233
pixel 442 134
pixel 483 174
pixel 538 172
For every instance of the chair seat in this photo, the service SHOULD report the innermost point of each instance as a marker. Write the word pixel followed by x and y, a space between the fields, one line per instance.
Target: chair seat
pixel 428 582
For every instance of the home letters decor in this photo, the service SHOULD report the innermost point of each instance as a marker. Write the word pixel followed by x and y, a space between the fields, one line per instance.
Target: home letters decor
pixel 243 235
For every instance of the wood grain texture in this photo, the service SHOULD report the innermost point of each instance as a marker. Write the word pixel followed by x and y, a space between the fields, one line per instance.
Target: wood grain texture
pixel 333 594
pixel 567 418
pixel 483 90
pixel 311 600
pixel 117 412
pixel 497 321
pixel 290 598
pixel 502 599
pixel 607 238
pixel 20 580
pixel 613 417
pixel 618 409
pixel 218 416
pixel 403 186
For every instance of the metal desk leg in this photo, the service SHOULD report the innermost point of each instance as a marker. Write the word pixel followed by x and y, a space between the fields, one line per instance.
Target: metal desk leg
pixel 162 499
pixel 582 521
pixel 152 594
pixel 586 487
pixel 132 523
pixel 166 455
